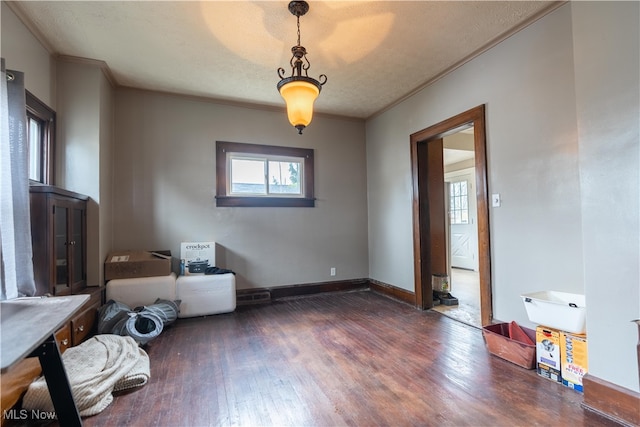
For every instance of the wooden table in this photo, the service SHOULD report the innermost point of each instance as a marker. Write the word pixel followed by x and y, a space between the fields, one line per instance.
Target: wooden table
pixel 28 326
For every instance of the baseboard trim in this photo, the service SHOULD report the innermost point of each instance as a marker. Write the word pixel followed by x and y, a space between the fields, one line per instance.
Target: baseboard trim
pixel 259 295
pixel 611 401
pixel 392 291
pixel 317 288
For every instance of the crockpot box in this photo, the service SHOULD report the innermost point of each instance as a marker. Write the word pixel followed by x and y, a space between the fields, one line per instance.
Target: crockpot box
pixel 548 361
pixel 197 256
pixel 132 264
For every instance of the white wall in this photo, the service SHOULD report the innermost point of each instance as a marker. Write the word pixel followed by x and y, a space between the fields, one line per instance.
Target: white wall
pixel 607 69
pixel 23 52
pixel 548 178
pixel 164 188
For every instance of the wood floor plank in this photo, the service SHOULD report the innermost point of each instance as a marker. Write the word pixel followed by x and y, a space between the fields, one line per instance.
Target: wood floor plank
pixel 340 359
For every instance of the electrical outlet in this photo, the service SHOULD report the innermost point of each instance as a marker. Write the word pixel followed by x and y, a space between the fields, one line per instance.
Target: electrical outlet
pixel 333 271
pixel 495 200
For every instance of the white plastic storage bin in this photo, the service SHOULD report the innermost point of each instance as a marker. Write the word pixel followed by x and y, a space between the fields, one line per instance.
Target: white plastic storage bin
pixel 142 290
pixel 558 310
pixel 206 294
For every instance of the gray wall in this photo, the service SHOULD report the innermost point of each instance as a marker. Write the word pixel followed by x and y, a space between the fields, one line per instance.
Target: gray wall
pixel 164 188
pixel 83 159
pixel 536 162
pixel 608 105
pixel 82 98
pixel 23 52
pixel 526 83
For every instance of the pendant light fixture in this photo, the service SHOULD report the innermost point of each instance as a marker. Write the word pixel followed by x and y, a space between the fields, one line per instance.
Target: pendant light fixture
pixel 299 91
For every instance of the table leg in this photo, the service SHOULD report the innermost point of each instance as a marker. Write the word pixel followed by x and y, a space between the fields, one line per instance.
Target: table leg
pixel 58 383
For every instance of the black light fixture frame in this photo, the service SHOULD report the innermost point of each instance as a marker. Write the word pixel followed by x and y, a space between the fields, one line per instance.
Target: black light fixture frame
pixel 299 62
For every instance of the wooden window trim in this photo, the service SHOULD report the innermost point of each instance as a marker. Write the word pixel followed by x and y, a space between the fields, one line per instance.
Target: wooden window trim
pixel 225 200
pixel 39 111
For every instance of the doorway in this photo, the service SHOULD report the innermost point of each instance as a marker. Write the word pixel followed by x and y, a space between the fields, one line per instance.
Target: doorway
pixel 430 230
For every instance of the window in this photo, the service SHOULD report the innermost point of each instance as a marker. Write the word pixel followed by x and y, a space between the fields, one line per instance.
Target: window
pixel 459 202
pixel 41 122
pixel 251 175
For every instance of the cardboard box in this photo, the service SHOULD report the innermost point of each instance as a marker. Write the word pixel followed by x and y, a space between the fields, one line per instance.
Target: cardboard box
pixel 573 359
pixel 500 344
pixel 548 353
pixel 132 264
pixel 197 257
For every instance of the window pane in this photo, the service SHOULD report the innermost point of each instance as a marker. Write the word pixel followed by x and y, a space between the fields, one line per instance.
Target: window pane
pixel 248 176
pixel 284 177
pixel 463 187
pixel 35 150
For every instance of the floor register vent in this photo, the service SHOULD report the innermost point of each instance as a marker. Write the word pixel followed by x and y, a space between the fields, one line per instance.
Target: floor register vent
pixel 260 297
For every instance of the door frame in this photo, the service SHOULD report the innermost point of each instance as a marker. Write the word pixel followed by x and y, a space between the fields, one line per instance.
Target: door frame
pixel 421 240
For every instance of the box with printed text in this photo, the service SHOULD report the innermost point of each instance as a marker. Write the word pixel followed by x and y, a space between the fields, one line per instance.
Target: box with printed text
pixel 573 359
pixel 548 353
pixel 196 257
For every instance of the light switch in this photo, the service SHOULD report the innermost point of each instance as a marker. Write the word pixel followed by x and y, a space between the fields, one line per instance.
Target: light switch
pixel 495 200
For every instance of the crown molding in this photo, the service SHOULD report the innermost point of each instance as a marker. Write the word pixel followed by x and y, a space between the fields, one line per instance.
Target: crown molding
pixel 104 67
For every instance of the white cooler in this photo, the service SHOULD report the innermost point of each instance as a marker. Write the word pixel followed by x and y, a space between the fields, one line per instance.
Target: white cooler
pixel 206 294
pixel 142 290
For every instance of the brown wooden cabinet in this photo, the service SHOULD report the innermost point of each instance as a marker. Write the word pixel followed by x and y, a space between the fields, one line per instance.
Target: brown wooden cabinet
pixel 59 237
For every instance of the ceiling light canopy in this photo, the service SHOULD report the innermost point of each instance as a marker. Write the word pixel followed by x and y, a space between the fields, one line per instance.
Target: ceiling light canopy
pixel 299 91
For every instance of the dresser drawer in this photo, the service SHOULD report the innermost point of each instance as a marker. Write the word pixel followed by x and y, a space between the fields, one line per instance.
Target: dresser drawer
pixel 82 325
pixel 63 338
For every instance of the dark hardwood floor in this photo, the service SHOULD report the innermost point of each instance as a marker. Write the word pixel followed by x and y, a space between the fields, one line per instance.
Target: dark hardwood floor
pixel 356 359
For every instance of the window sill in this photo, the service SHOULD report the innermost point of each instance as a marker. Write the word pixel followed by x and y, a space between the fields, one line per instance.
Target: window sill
pixel 265 202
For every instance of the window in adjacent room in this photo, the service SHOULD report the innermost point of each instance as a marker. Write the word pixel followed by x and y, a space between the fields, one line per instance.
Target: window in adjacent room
pixel 41 121
pixel 459 202
pixel 263 175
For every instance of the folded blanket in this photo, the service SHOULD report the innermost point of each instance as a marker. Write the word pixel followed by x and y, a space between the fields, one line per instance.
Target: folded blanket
pixel 95 368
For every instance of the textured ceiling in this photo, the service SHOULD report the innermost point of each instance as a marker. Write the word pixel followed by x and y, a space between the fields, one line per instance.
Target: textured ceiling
pixel 373 52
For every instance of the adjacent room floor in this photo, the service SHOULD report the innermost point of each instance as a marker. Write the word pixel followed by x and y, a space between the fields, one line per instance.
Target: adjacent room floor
pixel 465 286
pixel 355 358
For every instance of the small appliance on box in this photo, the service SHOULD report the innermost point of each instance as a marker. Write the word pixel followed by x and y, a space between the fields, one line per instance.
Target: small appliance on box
pixel 195 257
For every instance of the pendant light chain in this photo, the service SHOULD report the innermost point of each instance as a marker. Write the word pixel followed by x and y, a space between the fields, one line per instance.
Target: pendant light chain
pixel 298 16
